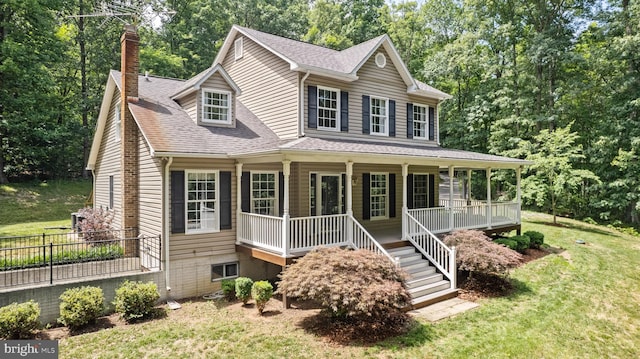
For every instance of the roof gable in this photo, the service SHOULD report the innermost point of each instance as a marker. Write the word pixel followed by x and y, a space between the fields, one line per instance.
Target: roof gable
pixel 194 83
pixel 343 65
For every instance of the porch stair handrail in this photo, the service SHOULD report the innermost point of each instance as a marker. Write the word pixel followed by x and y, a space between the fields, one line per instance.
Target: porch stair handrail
pixel 430 246
pixel 360 238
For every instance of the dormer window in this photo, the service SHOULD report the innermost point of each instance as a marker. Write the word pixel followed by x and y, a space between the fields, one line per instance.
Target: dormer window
pixel 328 109
pixel 216 106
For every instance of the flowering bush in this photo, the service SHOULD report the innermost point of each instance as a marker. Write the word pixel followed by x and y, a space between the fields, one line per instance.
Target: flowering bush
pixel 95 224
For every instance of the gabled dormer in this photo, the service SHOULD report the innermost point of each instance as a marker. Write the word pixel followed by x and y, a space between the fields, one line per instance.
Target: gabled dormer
pixel 210 98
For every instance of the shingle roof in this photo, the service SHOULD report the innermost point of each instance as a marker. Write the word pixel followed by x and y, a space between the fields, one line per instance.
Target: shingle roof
pixel 394 149
pixel 303 53
pixel 168 128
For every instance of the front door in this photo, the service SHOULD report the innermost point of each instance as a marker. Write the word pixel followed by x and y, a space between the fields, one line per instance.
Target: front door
pixel 328 190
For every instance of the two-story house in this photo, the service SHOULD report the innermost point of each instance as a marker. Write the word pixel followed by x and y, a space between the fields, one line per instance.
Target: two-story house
pixel 281 146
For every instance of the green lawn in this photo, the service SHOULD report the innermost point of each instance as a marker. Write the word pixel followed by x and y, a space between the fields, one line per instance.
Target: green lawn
pixel 582 302
pixel 28 208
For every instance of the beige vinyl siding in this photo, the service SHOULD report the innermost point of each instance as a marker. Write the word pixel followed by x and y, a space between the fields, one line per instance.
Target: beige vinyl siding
pixel 108 164
pixel 373 81
pixel 183 246
pixel 150 186
pixel 269 88
pixel 189 105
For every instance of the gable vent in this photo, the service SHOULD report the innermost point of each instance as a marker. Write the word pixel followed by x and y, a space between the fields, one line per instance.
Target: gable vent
pixel 381 60
pixel 238 48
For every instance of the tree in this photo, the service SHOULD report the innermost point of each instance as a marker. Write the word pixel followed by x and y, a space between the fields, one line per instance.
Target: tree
pixel 552 179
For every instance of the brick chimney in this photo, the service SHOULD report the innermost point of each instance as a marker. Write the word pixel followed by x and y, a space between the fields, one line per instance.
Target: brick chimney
pixel 129 143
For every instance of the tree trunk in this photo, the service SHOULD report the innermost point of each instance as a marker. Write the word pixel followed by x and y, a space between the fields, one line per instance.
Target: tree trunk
pixel 3 177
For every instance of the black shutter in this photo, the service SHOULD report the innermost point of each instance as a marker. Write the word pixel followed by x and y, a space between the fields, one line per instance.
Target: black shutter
pixel 392 195
pixel 366 196
pixel 344 193
pixel 245 190
pixel 365 114
pixel 312 104
pixel 410 191
pixel 281 193
pixel 225 200
pixel 432 191
pixel 409 120
pixel 392 118
pixel 432 123
pixel 177 202
pixel 344 111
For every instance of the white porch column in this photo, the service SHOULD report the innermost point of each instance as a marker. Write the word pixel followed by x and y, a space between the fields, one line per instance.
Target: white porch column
pixel 488 197
pixel 238 187
pixel 518 192
pixel 349 193
pixel 451 174
pixel 469 187
pixel 349 224
pixel 238 197
pixel 405 207
pixel 286 171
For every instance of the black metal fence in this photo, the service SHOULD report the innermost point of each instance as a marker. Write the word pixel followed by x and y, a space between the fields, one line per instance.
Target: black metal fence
pixel 50 258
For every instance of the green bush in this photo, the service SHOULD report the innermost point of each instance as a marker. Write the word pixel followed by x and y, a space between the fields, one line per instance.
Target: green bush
pixel 18 321
pixel 243 289
pixel 229 289
pixel 80 306
pixel 136 300
pixel 261 292
pixel 511 244
pixel 522 243
pixel 104 252
pixel 537 239
pixel 589 220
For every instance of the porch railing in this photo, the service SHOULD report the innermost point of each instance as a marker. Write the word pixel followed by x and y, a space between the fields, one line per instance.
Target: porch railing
pixel 442 256
pixel 478 215
pixel 310 232
pixel 305 233
pixel 262 231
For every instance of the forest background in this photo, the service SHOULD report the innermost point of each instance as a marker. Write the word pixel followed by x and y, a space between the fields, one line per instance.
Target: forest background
pixel 556 82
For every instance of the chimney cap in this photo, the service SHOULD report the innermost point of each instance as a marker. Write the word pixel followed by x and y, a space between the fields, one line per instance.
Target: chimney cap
pixel 130 28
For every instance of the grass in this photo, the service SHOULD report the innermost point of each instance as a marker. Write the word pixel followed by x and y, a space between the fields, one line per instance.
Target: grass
pixel 580 302
pixel 29 208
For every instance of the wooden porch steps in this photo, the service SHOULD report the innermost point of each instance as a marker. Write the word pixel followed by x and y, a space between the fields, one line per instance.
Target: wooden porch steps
pixel 425 284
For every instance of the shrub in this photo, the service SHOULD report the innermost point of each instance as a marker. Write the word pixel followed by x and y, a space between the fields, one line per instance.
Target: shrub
pixel 95 224
pixel 18 321
pixel 475 252
pixel 229 289
pixel 537 239
pixel 522 243
pixel 80 306
pixel 589 220
pixel 347 283
pixel 243 289
pixel 511 244
pixel 136 300
pixel 261 292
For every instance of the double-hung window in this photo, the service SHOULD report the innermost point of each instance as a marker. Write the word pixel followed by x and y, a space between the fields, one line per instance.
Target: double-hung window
pixel 216 106
pixel 328 109
pixel 379 116
pixel 420 121
pixel 420 190
pixel 379 195
pixel 202 201
pixel 264 195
